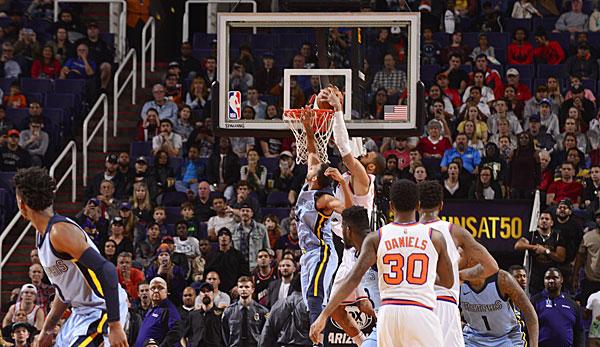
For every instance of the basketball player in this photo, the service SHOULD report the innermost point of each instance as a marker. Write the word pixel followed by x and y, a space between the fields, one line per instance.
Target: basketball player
pixel 487 308
pixel 431 196
pixel 361 179
pixel 409 256
pixel 314 207
pixel 83 279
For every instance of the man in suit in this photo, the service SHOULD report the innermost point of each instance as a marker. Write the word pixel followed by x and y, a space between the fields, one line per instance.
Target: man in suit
pixel 280 288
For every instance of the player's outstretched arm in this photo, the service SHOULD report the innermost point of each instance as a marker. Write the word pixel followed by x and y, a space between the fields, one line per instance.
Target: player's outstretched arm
pixel 445 277
pixel 68 239
pixel 485 264
pixel 331 203
pixel 360 176
pixel 47 333
pixel 509 287
pixel 311 147
pixel 368 257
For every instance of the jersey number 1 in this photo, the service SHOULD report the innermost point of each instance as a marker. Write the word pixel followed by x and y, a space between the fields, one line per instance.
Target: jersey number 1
pixel 396 274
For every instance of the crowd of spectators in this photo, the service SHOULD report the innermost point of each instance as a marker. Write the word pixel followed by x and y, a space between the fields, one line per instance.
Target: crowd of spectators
pixel 193 220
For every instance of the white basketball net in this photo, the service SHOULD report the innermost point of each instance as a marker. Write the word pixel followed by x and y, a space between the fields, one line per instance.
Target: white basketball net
pixel 322 127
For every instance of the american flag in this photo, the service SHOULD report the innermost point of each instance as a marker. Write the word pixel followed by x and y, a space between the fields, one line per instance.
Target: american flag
pixel 397 113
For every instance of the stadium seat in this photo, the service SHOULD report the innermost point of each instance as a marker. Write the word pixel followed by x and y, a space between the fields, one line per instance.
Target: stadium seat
pixel 280 212
pixel 547 23
pixel 109 38
pixel 271 164
pixel 500 55
pixel 173 199
pixel 441 38
pixel 19 117
pixel 176 163
pixel 70 86
pixel 546 70
pixel 590 84
pixel 37 85
pixel 428 72
pixel 512 24
pixel 594 39
pixel 202 231
pixel 61 100
pixel 201 53
pixel 563 39
pixel 262 41
pixel 5 84
pixel 525 71
pixel 34 97
pixel 140 148
pixel 173 214
pixel 499 40
pixel 202 40
pixel 278 199
pixel 6 182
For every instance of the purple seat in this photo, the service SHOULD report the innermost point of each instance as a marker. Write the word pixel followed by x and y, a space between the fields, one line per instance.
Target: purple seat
pixel 5 84
pixel 109 38
pixel 428 72
pixel 202 231
pixel 548 23
pixel 18 116
pixel 36 85
pixel 201 53
pixel 590 84
pixel 34 97
pixel 525 71
pixel 499 40
pixel 70 86
pixel 173 199
pixel 270 163
pixel 512 24
pixel 176 163
pixel 202 40
pixel 546 70
pixel 173 214
pixel 61 100
pixel 280 212
pixel 562 38
pixel 140 148
pixel 262 41
pixel 278 199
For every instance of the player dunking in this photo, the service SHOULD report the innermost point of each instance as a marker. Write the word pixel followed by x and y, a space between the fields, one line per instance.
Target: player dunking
pixel 484 265
pixel 409 256
pixel 314 207
pixel 361 179
pixel 83 279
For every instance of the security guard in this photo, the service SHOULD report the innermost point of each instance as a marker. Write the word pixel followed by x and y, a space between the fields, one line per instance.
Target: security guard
pixel 243 321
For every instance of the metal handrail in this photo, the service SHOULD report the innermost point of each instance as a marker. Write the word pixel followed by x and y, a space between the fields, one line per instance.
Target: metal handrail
pixel 151 44
pixel 102 100
pixel 122 35
pixel 71 147
pixel 118 91
pixel 186 14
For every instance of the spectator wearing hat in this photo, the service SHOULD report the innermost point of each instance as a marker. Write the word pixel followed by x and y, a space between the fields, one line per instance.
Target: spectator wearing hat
pixel 166 109
pixel 12 156
pixel 99 52
pixel 546 249
pixel 547 119
pixel 268 75
pixel 126 214
pixel 574 20
pixel 582 64
pixel 203 326
pixel 571 232
pixel 129 277
pixel 228 261
pixel 220 299
pixel 190 66
pixel 287 176
pixel 164 266
pixel 173 89
pixel 146 249
pixel 547 51
pixel 110 173
pixel 249 236
pixel 167 140
pixel 117 228
pixel 532 106
pixel 541 139
pixel 21 334
pixel 588 257
pixel 521 90
pixel 44 290
pixel 26 302
pixel 162 322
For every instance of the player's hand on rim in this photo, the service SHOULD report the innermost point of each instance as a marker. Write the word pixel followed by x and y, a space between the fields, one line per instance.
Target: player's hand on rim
pixel 306 115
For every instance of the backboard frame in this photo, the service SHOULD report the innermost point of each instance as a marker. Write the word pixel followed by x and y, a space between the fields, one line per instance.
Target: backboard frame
pixel 266 128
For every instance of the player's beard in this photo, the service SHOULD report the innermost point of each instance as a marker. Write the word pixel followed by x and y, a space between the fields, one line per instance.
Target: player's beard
pixel 206 300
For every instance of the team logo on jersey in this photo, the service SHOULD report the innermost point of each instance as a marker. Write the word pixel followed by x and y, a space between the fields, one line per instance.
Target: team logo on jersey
pixel 235 105
pixel 362 319
pixel 57 269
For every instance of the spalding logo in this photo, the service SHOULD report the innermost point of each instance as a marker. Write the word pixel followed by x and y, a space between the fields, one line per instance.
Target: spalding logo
pixel 362 319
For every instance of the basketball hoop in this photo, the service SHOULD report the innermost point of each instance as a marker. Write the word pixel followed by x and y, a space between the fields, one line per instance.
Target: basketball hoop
pixel 322 127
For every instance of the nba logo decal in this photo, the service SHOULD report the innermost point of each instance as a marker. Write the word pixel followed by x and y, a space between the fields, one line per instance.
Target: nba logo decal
pixel 235 105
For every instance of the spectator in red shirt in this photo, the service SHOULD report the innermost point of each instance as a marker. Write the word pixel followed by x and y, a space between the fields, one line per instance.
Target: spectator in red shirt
pixel 520 51
pixel 547 51
pixel 444 83
pixel 566 187
pixel 46 67
pixel 523 92
pixel 492 77
pixel 434 145
pixel 129 277
pixel 547 174
pixel 396 146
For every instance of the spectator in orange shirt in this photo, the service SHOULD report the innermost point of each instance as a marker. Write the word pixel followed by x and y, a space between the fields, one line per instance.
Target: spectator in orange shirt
pixel 129 277
pixel 15 99
pixel 547 51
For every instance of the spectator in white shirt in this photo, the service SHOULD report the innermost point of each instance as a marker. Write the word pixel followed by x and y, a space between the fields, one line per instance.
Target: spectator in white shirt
pixel 167 140
pixel 259 106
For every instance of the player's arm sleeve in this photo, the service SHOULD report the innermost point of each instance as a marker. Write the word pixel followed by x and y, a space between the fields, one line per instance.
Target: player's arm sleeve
pixel 106 273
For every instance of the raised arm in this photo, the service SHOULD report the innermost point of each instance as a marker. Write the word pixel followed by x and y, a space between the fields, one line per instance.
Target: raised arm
pixel 509 287
pixel 307 117
pixel 444 265
pixel 485 264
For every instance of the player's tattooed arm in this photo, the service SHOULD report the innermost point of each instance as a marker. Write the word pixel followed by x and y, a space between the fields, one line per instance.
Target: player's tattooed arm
pixel 484 265
pixel 510 288
pixel 444 265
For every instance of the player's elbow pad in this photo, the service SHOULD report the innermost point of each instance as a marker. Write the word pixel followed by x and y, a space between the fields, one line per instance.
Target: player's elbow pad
pixel 107 275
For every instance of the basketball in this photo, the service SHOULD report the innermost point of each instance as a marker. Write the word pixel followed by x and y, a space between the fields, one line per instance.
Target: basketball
pixel 324 105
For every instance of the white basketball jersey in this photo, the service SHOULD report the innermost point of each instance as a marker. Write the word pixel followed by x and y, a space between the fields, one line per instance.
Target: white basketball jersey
pixel 365 201
pixel 407 265
pixel 442 292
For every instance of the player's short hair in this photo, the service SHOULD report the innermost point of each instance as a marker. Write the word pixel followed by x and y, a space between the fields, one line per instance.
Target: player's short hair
pixel 516 267
pixel 35 187
pixel 322 179
pixel 244 279
pixel 404 195
pixel 380 164
pixel 357 218
pixel 431 194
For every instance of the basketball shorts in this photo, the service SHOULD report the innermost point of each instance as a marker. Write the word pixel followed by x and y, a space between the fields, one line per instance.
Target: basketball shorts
pixel 88 326
pixel 317 270
pixel 348 261
pixel 449 316
pixel 512 339
pixel 371 340
pixel 408 326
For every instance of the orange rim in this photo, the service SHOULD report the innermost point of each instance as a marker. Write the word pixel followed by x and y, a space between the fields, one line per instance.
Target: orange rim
pixel 321 116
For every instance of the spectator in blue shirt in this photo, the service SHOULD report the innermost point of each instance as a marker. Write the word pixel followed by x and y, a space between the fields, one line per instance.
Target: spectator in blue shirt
pixel 558 314
pixel 470 157
pixel 79 67
pixel 162 320
pixel 192 172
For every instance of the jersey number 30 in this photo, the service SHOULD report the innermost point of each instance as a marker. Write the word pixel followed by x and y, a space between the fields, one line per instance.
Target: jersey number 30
pixel 397 272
